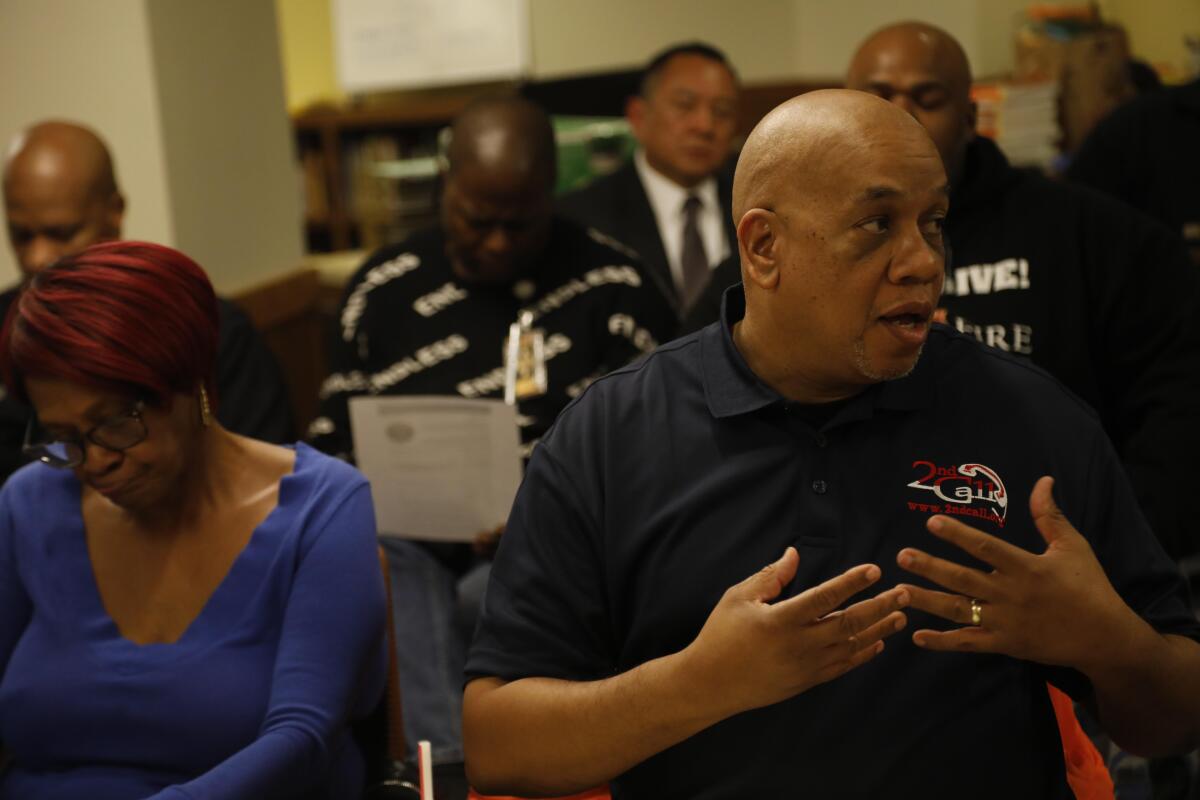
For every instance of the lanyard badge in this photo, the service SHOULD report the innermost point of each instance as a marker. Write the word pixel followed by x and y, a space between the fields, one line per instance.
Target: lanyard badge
pixel 524 360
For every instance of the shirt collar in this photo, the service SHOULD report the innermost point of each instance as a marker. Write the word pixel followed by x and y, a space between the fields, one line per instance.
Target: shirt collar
pixel 666 196
pixel 731 388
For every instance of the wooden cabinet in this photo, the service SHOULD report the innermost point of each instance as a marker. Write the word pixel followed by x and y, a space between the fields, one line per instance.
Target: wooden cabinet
pixel 369 173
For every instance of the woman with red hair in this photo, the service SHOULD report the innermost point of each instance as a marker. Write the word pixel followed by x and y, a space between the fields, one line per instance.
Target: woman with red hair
pixel 184 612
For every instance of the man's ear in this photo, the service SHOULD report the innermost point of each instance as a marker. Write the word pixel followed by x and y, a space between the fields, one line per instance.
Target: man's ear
pixel 114 215
pixel 759 245
pixel 972 119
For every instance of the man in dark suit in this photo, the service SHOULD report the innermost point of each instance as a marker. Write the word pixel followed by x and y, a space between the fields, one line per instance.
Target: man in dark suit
pixel 671 202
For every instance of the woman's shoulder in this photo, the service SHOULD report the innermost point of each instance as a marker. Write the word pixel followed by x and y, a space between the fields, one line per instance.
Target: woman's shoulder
pixel 324 470
pixel 38 486
pixel 324 493
pixel 301 462
pixel 321 487
pixel 313 489
pixel 305 480
pixel 38 504
pixel 312 461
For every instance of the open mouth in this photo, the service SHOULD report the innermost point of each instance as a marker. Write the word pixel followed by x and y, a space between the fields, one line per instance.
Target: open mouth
pixel 909 322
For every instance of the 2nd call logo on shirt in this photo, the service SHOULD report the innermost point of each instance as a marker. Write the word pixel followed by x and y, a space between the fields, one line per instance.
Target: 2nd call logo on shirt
pixel 965 490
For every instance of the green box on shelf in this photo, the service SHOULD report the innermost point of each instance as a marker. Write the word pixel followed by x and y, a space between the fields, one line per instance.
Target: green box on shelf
pixel 589 147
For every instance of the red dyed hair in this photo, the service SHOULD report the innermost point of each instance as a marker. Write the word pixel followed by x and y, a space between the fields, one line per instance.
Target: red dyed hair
pixel 131 317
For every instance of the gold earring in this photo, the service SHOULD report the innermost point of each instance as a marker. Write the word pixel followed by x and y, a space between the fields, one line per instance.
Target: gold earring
pixel 205 409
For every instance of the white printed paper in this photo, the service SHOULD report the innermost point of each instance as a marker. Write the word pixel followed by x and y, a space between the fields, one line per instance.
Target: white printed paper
pixel 441 468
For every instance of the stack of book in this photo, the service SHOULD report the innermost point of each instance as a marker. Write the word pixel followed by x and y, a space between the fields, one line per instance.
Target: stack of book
pixel 392 187
pixel 1022 118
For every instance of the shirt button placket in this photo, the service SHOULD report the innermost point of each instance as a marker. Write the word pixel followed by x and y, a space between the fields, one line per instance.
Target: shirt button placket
pixel 820 486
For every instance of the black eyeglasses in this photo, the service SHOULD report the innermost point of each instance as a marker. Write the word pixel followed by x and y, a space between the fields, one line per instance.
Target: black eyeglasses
pixel 119 432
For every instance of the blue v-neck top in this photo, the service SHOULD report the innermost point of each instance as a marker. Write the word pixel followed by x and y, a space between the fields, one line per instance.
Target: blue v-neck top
pixel 252 701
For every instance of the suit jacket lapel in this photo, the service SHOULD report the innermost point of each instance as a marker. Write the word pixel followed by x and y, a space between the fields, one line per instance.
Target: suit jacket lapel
pixel 642 232
pixel 725 192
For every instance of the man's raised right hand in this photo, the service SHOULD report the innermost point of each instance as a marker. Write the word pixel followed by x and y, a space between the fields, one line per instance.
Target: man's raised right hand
pixel 754 653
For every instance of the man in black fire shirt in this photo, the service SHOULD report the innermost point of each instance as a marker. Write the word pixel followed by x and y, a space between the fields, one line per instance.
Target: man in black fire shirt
pixel 1094 292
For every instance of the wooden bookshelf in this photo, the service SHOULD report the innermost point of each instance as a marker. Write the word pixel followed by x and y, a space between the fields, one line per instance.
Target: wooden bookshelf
pixel 328 137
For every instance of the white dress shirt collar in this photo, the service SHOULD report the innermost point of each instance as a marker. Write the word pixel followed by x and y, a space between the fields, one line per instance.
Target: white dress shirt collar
pixel 666 200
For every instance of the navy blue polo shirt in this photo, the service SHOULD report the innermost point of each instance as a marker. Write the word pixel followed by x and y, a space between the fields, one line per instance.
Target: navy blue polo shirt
pixel 677 477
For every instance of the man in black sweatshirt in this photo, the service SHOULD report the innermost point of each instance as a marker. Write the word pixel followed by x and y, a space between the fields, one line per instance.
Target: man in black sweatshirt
pixel 1147 153
pixel 1091 290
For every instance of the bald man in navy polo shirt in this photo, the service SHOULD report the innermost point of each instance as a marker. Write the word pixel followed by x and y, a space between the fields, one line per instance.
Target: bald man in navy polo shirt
pixel 889 461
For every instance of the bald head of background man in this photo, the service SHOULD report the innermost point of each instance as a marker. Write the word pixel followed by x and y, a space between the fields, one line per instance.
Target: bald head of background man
pixel 60 194
pixel 923 70
pixel 839 199
pixel 497 202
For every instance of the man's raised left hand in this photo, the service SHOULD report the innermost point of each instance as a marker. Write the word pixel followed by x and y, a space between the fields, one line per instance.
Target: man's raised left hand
pixel 1057 607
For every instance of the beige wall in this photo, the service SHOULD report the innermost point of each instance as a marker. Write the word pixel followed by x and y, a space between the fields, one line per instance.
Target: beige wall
pixel 570 37
pixel 826 34
pixel 73 59
pixel 1156 30
pixel 306 42
pixel 767 39
pixel 189 97
pixel 228 140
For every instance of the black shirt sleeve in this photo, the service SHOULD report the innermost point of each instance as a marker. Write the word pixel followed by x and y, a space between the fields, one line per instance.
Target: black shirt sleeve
pixel 14 415
pixel 1136 564
pixel 640 319
pixel 253 400
pixel 545 612
pixel 330 431
pixel 1110 157
pixel 1144 297
pixel 1133 559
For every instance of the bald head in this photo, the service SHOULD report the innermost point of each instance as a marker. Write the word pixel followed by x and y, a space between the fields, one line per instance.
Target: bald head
pixel 505 136
pixel 839 197
pixel 60 193
pixel 916 42
pixel 811 144
pixel 64 153
pixel 923 70
pixel 497 203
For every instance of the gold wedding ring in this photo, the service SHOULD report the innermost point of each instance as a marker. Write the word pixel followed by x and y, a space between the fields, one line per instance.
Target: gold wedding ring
pixel 976 612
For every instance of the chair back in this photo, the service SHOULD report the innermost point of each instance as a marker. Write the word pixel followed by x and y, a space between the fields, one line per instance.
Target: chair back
pixel 395 780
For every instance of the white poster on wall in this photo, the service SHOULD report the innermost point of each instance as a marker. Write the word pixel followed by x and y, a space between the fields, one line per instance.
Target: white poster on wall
pixel 404 44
